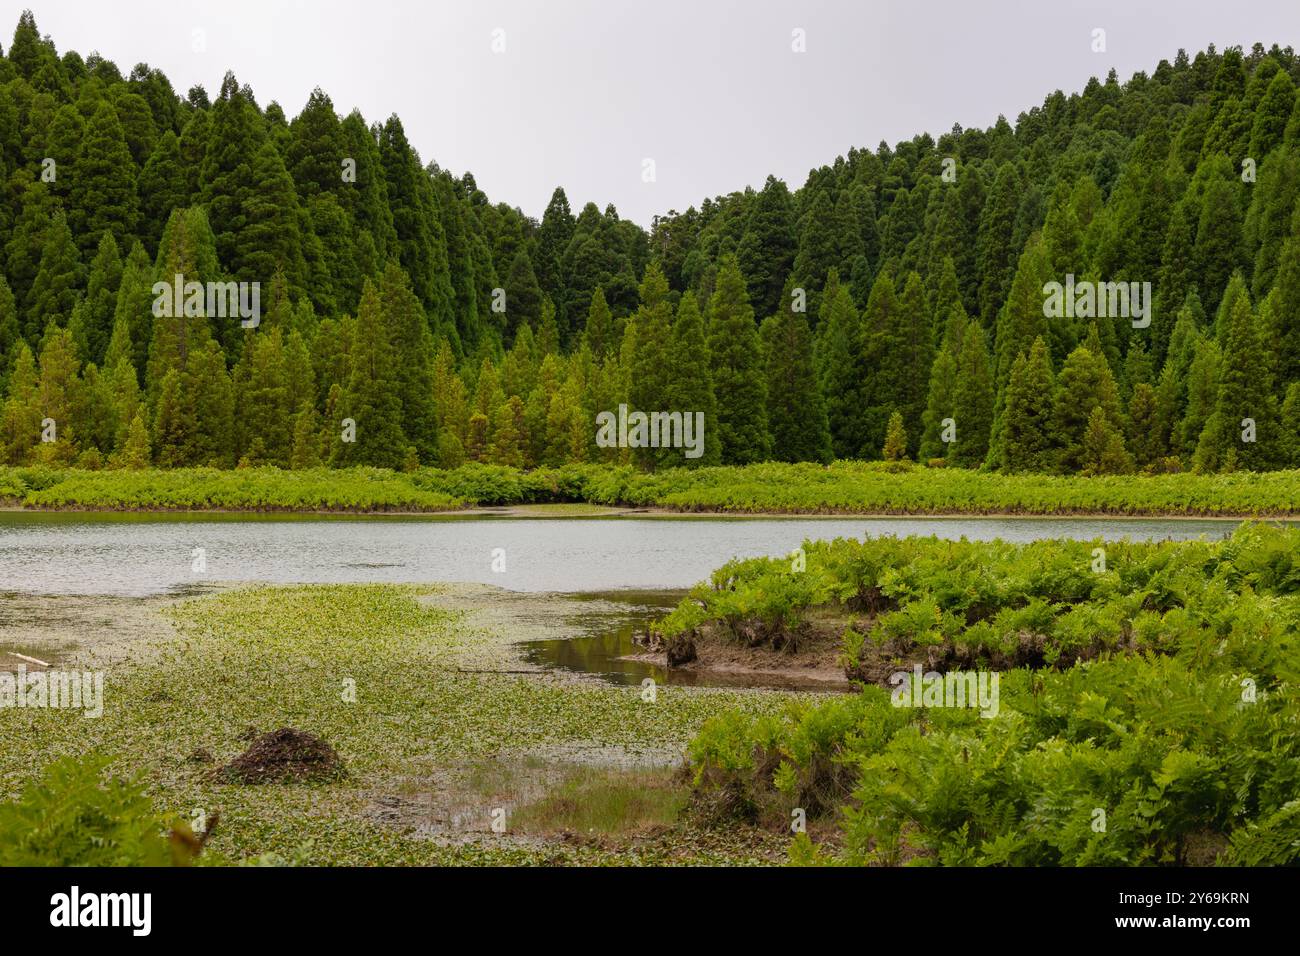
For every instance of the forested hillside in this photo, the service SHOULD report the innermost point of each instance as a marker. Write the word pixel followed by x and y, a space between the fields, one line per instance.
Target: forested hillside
pixel 893 305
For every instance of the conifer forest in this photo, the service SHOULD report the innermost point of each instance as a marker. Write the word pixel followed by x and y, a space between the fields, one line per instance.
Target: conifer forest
pixel 929 504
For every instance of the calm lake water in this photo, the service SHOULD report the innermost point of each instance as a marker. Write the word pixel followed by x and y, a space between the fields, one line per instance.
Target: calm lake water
pixel 140 555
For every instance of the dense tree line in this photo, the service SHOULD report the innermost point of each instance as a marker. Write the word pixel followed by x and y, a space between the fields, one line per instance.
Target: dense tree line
pixel 893 306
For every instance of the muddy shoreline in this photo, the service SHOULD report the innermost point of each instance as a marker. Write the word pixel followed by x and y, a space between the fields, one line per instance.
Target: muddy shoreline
pixel 43 630
pixel 449 732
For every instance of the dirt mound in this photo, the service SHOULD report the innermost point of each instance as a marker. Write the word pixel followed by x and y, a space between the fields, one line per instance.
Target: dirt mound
pixel 284 756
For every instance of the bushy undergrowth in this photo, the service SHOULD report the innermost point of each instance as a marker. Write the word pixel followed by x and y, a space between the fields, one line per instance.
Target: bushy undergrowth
pixel 75 815
pixel 241 489
pixel 1160 726
pixel 844 487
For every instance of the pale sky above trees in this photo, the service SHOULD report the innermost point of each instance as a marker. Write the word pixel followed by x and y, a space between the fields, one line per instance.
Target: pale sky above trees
pixel 586 90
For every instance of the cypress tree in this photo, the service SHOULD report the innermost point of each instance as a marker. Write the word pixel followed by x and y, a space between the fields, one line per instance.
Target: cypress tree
pixel 421 245
pixel 650 384
pixel 1202 395
pixel 207 389
pixel 20 416
pixel 162 188
pixel 1270 218
pixel 1062 234
pixel 1271 115
pixel 1102 450
pixel 1218 251
pixel 193 145
pixel 59 395
pixel 187 249
pixel 939 405
pixel 507 430
pixel 58 279
pixel 366 200
pixel 134 305
pixel 553 238
pixel 519 370
pixel 972 399
pixel 1021 320
pixel 600 325
pixel 236 133
pixel 897 349
pixel 766 250
pixel 60 141
pixel 1286 309
pixel 864 206
pixel 690 387
pixel 1024 439
pixel 538 411
pixel 1145 436
pixel 92 326
pixel 795 412
pixel 818 251
pixel 548 329
pixel 24 248
pixel 1085 383
pixel 738 380
pixel 848 233
pixel 306 439
pixel 450 397
pixel 174 424
pixel 335 270
pixel 407 335
pixel 265 409
pixel 270 239
pixel 523 295
pixel 1243 427
pixel 840 372
pixel 316 152
pixel 1176 280
pixel 103 197
pixel 895 447
pixel 1234 291
pixel 372 397
pixel 946 303
pixel 134 452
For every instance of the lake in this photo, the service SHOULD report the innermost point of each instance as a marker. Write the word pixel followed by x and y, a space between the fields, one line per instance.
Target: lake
pixel 139 555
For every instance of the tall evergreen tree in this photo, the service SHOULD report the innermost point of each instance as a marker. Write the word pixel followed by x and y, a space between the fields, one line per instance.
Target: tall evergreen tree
pixel 1243 429
pixel 973 399
pixel 818 250
pixel 20 415
pixel 651 382
pixel 767 245
pixel 92 322
pixel 993 254
pixel 54 290
pixel 162 188
pixel 1085 383
pixel 1021 320
pixel 1024 436
pixel 738 380
pixel 523 295
pixel 103 197
pixel 795 413
pixel 840 372
pixel 690 387
pixel 407 335
pixel 371 406
pixel 600 325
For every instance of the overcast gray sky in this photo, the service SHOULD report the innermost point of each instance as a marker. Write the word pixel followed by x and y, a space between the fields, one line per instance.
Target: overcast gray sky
pixel 711 90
